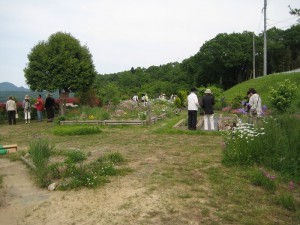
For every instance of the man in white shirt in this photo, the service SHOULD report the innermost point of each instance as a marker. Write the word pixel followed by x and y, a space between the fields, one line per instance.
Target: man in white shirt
pixel 193 106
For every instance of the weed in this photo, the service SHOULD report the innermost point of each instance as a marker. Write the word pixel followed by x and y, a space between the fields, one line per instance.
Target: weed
pixel 75 157
pixel 260 178
pixel 287 201
pixel 40 154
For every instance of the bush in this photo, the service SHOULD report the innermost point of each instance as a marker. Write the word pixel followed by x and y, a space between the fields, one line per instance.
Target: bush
pixel 177 102
pixel 282 95
pixel 182 95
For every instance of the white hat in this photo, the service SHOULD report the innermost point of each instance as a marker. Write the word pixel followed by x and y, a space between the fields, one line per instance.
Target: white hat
pixel 207 91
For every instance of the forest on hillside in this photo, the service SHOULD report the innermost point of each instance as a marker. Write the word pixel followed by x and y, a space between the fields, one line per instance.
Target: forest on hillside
pixel 223 61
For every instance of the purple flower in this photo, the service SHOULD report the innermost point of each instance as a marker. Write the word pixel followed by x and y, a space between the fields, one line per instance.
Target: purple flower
pixel 264 107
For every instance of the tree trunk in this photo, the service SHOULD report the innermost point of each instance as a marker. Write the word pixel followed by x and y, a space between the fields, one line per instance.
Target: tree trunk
pixel 62 102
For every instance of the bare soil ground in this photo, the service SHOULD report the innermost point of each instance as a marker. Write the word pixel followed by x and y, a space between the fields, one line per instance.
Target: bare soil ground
pixel 177 179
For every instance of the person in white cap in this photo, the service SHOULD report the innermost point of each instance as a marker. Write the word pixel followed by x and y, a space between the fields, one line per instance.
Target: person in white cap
pixel 27 108
pixel 207 104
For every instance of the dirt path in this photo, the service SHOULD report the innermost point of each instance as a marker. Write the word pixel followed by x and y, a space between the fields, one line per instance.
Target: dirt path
pixel 18 195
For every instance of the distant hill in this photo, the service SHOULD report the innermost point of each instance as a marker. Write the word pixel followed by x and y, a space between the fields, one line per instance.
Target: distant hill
pixel 6 86
pixel 8 89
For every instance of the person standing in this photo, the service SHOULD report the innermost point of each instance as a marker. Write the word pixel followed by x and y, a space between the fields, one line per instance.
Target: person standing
pixel 11 108
pixel 50 107
pixel 207 104
pixel 27 108
pixel 193 105
pixel 39 108
pixel 255 105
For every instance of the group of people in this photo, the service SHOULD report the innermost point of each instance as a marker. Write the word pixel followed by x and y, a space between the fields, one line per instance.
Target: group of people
pixel 254 108
pixel 11 108
pixel 207 103
pixel 144 99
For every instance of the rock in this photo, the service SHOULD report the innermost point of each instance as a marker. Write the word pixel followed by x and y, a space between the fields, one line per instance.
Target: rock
pixel 52 186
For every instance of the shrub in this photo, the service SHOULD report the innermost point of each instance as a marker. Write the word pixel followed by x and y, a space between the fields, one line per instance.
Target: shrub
pixel 282 95
pixel 182 95
pixel 177 102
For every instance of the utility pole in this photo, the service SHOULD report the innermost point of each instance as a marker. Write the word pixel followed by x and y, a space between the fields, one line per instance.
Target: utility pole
pixel 265 38
pixel 253 55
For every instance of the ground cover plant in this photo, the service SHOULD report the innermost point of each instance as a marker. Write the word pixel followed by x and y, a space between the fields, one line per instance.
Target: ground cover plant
pixel 72 172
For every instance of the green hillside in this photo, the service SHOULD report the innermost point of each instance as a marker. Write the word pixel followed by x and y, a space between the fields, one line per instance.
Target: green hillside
pixel 262 85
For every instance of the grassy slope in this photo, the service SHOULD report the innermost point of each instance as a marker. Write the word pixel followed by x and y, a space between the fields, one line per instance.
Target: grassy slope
pixel 262 85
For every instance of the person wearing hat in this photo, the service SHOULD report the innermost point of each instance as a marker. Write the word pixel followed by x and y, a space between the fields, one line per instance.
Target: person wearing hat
pixel 207 104
pixel 193 105
pixel 27 108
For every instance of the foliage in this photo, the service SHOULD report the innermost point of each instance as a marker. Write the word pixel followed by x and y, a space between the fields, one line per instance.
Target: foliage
pixel 274 144
pixel 182 95
pixel 287 201
pixel 76 130
pixel 75 157
pixel 264 180
pixel 177 102
pixel 40 152
pixel 282 95
pixel 89 97
pixel 60 63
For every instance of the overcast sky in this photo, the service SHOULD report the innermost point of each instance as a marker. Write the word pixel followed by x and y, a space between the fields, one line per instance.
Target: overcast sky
pixel 129 33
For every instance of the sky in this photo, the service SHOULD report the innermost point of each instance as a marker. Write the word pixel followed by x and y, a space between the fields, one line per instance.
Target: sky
pixel 121 34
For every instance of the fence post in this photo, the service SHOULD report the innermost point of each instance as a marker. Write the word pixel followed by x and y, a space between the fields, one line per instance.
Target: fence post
pixel 149 114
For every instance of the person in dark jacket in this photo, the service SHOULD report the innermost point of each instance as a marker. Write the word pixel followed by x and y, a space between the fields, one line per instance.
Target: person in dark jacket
pixel 50 107
pixel 207 105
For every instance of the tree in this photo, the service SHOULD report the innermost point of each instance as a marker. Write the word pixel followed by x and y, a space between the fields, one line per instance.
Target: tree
pixel 60 63
pixel 295 12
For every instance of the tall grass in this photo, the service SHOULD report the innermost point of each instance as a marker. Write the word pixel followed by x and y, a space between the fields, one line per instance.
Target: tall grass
pixel 274 144
pixel 40 152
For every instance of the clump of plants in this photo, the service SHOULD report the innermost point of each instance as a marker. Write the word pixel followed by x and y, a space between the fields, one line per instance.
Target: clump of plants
pixel 75 171
pixel 274 143
pixel 40 151
pixel 283 95
pixel 76 130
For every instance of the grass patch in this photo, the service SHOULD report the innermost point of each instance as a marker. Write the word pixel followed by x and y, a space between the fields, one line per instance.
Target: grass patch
pixel 76 130
pixel 287 201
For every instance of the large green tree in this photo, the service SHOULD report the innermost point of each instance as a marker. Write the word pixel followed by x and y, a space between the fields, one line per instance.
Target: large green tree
pixel 60 63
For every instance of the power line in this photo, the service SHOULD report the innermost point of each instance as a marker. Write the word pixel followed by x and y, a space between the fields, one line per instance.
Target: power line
pixel 292 18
